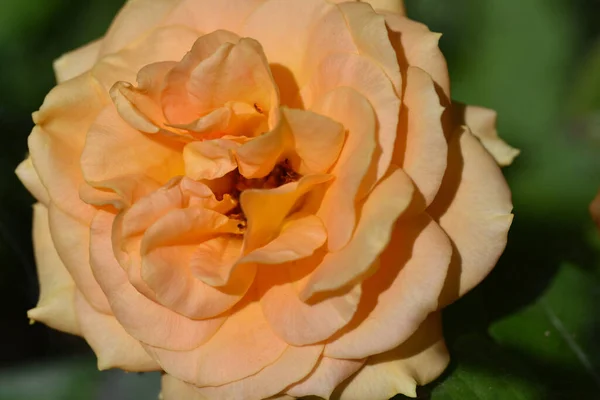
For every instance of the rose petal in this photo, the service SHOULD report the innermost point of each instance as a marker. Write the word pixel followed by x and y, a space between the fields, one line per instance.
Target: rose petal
pixel 395 6
pixel 57 140
pixel 400 295
pixel 367 78
pixel 337 209
pixel 209 159
pixel 111 344
pixel 326 376
pixel 418 361
pixel 135 312
pixel 422 149
pixel 242 347
pixel 266 209
pixel 292 366
pixel 382 208
pixel 68 234
pixel 77 62
pixel 482 122
pixel 31 180
pixel 295 321
pixel 417 46
pixel 55 307
pixel 474 207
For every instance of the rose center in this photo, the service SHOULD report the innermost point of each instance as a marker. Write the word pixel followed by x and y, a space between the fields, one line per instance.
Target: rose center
pixel 281 174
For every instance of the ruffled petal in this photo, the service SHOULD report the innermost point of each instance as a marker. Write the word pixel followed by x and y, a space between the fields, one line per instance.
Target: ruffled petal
pixel 418 361
pixel 69 236
pixel 141 317
pixel 394 6
pixel 57 140
pixel 111 344
pixel 293 365
pixel 380 211
pixel 294 321
pixel 400 295
pixel 56 305
pixel 421 147
pixel 31 180
pixel 367 78
pixel 266 209
pixel 482 122
pixel 77 62
pixel 337 209
pixel 242 347
pixel 326 376
pixel 474 207
pixel 417 46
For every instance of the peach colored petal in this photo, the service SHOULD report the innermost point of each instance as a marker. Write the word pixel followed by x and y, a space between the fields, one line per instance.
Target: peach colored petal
pixel 482 122
pixel 57 140
pixel 294 321
pixel 418 361
pixel 266 209
pixel 317 140
pixel 31 180
pixel 290 23
pixel 291 367
pixel 326 376
pixel 595 209
pixel 399 296
pixel 209 159
pixel 366 77
pixel 380 211
pixel 114 149
pixel 422 149
pixel 135 19
pixel 474 207
pixel 243 346
pixel 395 6
pixel 209 76
pixel 77 62
pixel 142 318
pixel 337 210
pixel 417 46
pixel 167 250
pixel 215 261
pixel 67 235
pixel 111 344
pixel 371 38
pixel 55 307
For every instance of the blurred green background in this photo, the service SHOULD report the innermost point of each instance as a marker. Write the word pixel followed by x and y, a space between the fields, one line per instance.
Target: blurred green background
pixel 530 331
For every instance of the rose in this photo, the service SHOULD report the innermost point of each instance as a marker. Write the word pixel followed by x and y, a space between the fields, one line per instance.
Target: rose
pixel 262 198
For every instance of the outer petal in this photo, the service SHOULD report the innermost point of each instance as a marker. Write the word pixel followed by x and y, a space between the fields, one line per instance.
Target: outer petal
pixel 294 321
pixel 326 376
pixel 70 239
pixel 291 367
pixel 135 312
pixel 338 208
pixel 482 122
pixel 400 295
pixel 474 208
pixel 112 345
pixel 421 147
pixel 395 6
pixel 418 361
pixel 77 62
pixel 380 211
pixel 416 45
pixel 30 178
pixel 57 141
pixel 56 306
pixel 243 346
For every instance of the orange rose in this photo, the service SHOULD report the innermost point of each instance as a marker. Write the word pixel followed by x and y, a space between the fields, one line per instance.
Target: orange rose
pixel 263 198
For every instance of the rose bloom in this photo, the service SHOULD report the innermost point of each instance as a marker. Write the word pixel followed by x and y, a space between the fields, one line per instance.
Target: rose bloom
pixel 263 198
